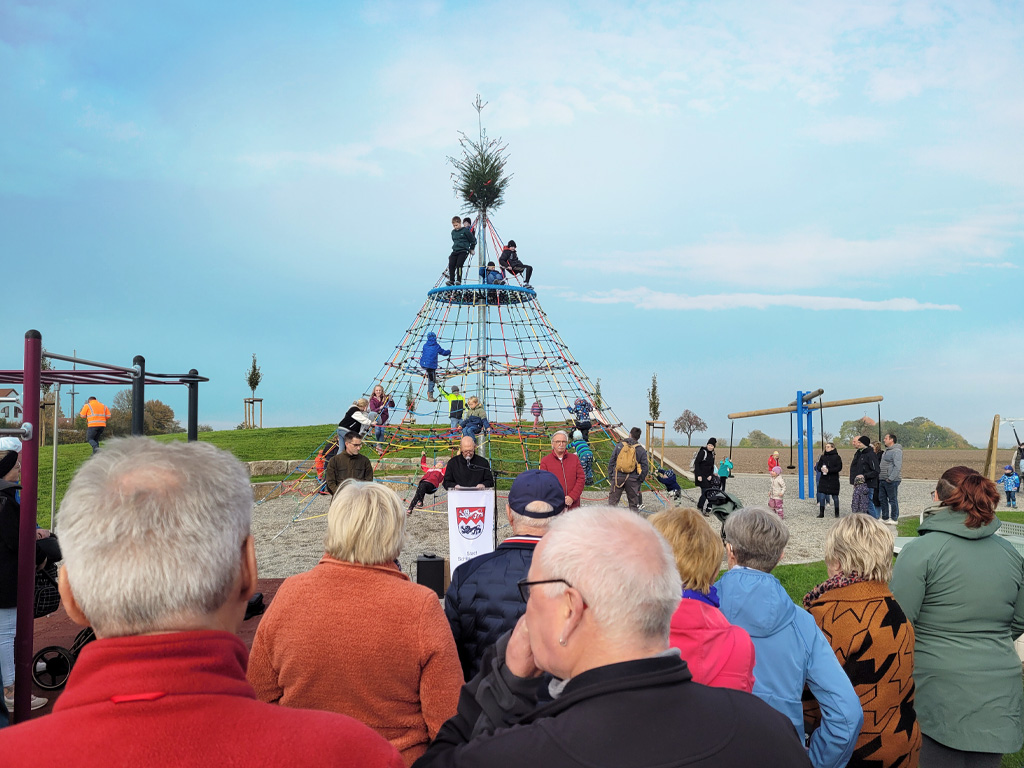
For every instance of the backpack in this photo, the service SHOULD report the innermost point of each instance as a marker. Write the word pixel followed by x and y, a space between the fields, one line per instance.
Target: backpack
pixel 693 459
pixel 626 461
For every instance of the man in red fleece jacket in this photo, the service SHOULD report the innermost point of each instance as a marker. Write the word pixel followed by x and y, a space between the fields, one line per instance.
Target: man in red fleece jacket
pixel 159 560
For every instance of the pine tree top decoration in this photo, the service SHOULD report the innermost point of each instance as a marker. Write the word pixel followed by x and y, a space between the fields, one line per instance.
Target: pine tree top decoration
pixel 479 178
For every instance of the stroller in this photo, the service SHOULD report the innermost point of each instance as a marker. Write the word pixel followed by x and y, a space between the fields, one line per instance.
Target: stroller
pixel 722 504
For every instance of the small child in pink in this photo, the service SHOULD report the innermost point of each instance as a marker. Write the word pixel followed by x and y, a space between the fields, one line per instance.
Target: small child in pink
pixel 777 491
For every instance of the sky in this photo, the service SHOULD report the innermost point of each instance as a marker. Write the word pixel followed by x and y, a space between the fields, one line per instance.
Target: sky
pixel 745 198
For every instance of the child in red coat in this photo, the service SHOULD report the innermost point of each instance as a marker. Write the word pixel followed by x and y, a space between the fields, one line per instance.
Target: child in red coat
pixel 430 481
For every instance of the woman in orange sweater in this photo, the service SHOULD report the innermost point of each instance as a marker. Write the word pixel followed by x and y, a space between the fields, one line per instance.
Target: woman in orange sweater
pixel 355 636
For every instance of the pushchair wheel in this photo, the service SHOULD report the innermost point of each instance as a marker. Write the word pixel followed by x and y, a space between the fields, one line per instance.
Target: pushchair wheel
pixel 51 667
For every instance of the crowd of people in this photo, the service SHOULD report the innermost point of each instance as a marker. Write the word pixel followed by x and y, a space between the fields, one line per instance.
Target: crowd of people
pixel 591 636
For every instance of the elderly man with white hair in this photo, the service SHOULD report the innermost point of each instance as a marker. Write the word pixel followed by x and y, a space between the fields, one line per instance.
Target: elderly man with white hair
pixel 790 652
pixel 600 595
pixel 159 560
pixel 566 467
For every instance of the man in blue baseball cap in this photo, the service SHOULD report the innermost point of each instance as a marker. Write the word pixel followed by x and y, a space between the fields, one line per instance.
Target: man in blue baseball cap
pixel 483 602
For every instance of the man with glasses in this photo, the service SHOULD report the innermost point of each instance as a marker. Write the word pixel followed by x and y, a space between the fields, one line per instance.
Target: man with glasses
pixel 600 595
pixel 482 602
pixel 566 467
pixel 349 464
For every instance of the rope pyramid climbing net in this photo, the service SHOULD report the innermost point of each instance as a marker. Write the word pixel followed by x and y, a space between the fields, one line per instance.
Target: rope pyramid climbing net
pixel 505 351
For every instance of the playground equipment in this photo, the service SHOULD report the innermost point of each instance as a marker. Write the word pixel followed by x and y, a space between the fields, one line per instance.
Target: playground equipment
pixel 803 407
pixel 31 377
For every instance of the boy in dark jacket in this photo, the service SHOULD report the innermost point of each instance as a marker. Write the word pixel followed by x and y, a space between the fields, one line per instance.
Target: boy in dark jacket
pixel 463 243
pixel 510 262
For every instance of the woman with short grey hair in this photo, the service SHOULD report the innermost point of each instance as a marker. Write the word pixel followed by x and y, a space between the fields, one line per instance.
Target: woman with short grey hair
pixel 355 636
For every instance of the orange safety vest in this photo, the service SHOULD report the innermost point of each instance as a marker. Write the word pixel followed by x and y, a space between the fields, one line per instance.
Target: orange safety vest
pixel 96 418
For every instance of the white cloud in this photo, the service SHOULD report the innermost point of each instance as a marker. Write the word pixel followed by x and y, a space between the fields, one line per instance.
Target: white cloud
pixel 345 160
pixel 645 298
pixel 810 259
pixel 847 130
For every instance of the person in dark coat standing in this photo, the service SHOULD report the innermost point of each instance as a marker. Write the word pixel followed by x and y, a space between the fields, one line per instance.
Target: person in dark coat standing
pixel 348 464
pixel 600 595
pixel 865 462
pixel 482 603
pixel 830 464
pixel 703 469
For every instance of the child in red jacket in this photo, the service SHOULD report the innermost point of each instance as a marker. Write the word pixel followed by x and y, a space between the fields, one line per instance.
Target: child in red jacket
pixel 430 481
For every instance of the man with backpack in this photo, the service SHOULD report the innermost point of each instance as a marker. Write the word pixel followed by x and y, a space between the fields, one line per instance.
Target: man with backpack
pixel 627 470
pixel 704 472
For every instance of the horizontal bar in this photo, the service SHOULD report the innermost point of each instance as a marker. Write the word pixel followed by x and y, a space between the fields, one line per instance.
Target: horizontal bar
pixel 94 364
pixel 809 407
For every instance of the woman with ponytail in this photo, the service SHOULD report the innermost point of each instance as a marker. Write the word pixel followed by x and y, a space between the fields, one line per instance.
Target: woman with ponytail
pixel 963 590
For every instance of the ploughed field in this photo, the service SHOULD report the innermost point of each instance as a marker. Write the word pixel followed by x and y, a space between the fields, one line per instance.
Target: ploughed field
pixel 918 464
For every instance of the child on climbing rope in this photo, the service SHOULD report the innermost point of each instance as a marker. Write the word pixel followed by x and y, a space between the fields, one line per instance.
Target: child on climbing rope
pixel 586 456
pixel 429 483
pixel 537 409
pixel 318 464
pixel 725 470
pixel 456 405
pixel 510 262
pixel 1011 484
pixel 475 420
pixel 668 479
pixel 490 275
pixel 428 359
pixel 463 241
pixel 379 404
pixel 581 416
pixel 777 491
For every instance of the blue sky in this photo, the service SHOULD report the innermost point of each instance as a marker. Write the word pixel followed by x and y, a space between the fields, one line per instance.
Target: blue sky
pixel 746 198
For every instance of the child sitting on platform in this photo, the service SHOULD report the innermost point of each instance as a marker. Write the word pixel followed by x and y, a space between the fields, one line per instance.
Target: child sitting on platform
pixel 475 420
pixel 429 483
pixel 584 454
pixel 510 262
pixel 490 275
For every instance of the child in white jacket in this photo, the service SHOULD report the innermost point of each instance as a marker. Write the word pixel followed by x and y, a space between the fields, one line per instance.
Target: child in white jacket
pixel 777 491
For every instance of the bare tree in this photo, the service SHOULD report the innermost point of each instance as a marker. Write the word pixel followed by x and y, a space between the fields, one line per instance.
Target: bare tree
pixel 689 423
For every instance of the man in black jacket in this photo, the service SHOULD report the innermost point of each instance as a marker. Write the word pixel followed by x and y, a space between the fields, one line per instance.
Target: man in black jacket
pixel 467 470
pixel 600 596
pixel 483 602
pixel 703 470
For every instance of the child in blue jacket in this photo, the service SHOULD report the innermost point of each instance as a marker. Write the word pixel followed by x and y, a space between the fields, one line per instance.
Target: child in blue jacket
pixel 1011 484
pixel 428 359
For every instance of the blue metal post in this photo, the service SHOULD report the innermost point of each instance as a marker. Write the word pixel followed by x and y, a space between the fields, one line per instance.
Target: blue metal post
pixel 810 454
pixel 800 441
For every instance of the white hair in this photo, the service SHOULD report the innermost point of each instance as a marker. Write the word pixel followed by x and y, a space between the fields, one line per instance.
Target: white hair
pixel 152 533
pixel 622 567
pixel 520 521
pixel 757 537
pixel 561 432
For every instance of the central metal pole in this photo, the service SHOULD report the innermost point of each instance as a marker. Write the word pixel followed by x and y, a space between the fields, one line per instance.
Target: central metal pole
pixel 481 342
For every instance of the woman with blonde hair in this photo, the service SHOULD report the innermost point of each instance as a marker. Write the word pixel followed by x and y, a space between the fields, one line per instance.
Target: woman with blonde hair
pixel 717 653
pixel 872 639
pixel 355 636
pixel 355 420
pixel 963 588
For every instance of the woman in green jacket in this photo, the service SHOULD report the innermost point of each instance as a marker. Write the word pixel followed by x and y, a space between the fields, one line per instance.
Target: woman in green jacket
pixel 963 590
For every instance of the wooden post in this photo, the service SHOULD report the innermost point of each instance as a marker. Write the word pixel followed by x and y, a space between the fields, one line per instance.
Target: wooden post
pixel 650 437
pixel 990 453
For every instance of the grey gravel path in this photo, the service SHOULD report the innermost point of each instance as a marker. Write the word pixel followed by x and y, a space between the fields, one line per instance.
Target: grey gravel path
pixel 300 545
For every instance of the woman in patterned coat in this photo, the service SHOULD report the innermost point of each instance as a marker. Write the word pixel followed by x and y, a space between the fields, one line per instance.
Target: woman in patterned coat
pixel 872 639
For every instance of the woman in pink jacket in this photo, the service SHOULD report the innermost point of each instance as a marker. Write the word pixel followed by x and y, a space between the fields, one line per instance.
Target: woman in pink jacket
pixel 718 653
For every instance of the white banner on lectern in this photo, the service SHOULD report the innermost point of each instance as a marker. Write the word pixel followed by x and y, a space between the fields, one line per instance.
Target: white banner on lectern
pixel 470 525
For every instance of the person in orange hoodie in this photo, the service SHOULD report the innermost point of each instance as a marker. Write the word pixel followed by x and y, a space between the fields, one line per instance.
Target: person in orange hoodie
pixel 566 467
pixel 377 647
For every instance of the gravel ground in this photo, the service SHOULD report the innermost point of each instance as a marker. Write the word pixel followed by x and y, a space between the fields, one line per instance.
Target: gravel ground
pixel 284 548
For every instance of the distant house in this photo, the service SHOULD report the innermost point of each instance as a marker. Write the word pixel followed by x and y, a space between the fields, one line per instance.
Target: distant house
pixel 867 421
pixel 10 405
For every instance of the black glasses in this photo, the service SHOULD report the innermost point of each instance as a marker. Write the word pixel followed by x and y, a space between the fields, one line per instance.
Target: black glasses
pixel 525 585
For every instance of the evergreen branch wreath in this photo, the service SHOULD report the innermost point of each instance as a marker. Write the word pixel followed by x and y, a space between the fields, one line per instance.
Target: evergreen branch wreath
pixel 479 178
